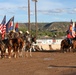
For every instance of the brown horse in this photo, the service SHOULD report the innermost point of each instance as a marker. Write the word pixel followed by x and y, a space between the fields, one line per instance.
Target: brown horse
pixel 17 44
pixel 65 46
pixel 13 43
pixel 74 44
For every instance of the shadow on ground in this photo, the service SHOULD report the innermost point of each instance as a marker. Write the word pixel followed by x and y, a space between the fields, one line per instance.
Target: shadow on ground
pixel 54 66
pixel 48 51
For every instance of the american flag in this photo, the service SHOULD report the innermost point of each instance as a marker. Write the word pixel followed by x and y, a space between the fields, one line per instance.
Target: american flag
pixel 3 26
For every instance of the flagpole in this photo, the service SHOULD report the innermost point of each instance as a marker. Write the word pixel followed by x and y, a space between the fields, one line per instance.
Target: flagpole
pixel 13 25
pixel 29 27
pixel 36 17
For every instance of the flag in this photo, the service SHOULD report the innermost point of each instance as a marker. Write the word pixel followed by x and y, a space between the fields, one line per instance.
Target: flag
pixel 70 27
pixel 73 29
pixel 10 25
pixel 73 26
pixel 16 27
pixel 3 27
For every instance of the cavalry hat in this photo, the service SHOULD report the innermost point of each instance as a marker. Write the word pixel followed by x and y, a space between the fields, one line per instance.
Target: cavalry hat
pixel 27 32
pixel 20 32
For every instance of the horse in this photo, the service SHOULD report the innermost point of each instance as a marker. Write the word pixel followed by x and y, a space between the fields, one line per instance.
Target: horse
pixel 28 44
pixel 13 43
pixel 17 44
pixel 74 44
pixel 8 46
pixel 65 45
pixel 35 47
pixel 29 41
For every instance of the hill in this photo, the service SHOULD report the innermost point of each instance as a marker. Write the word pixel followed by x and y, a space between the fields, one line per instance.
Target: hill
pixel 54 26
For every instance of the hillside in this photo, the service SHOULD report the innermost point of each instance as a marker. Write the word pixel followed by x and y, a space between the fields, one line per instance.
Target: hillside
pixel 58 26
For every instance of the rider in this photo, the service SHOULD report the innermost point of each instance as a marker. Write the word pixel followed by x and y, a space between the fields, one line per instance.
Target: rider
pixel 20 34
pixel 27 36
pixel 69 37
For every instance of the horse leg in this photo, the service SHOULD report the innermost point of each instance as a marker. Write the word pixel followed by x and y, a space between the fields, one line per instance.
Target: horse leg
pixel 15 52
pixel 31 52
pixel 27 53
pixel 73 49
pixel 2 51
pixel 9 52
pixel 20 52
pixel 2 54
pixel 62 50
pixel 33 48
pixel 70 49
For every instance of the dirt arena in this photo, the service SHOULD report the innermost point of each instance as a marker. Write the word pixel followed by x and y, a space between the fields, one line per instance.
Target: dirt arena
pixel 41 63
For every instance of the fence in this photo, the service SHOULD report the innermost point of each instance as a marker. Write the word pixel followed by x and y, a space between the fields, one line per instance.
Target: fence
pixel 46 43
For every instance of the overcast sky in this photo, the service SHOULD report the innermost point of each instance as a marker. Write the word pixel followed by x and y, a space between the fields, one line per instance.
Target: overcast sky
pixel 47 10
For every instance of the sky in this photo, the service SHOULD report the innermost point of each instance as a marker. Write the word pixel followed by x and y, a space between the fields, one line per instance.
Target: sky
pixel 47 10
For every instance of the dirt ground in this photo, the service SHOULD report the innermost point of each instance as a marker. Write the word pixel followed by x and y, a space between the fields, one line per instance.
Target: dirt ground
pixel 41 63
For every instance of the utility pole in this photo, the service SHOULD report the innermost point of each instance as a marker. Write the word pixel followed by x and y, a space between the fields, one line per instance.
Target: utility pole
pixel 36 17
pixel 29 26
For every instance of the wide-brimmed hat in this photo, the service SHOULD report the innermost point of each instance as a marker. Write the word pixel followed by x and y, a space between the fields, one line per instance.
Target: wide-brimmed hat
pixel 20 32
pixel 27 32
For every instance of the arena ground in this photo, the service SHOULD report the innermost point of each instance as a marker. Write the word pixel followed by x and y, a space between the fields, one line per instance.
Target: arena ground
pixel 41 63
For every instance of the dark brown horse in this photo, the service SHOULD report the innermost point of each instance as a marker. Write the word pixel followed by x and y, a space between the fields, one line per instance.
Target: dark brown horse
pixel 65 46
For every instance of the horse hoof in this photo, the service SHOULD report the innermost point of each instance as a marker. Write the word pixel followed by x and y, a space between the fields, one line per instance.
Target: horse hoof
pixel 2 58
pixel 20 56
pixel 65 52
pixel 30 55
pixel 9 57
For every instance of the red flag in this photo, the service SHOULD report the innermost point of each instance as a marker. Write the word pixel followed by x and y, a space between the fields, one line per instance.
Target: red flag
pixel 70 27
pixel 16 27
